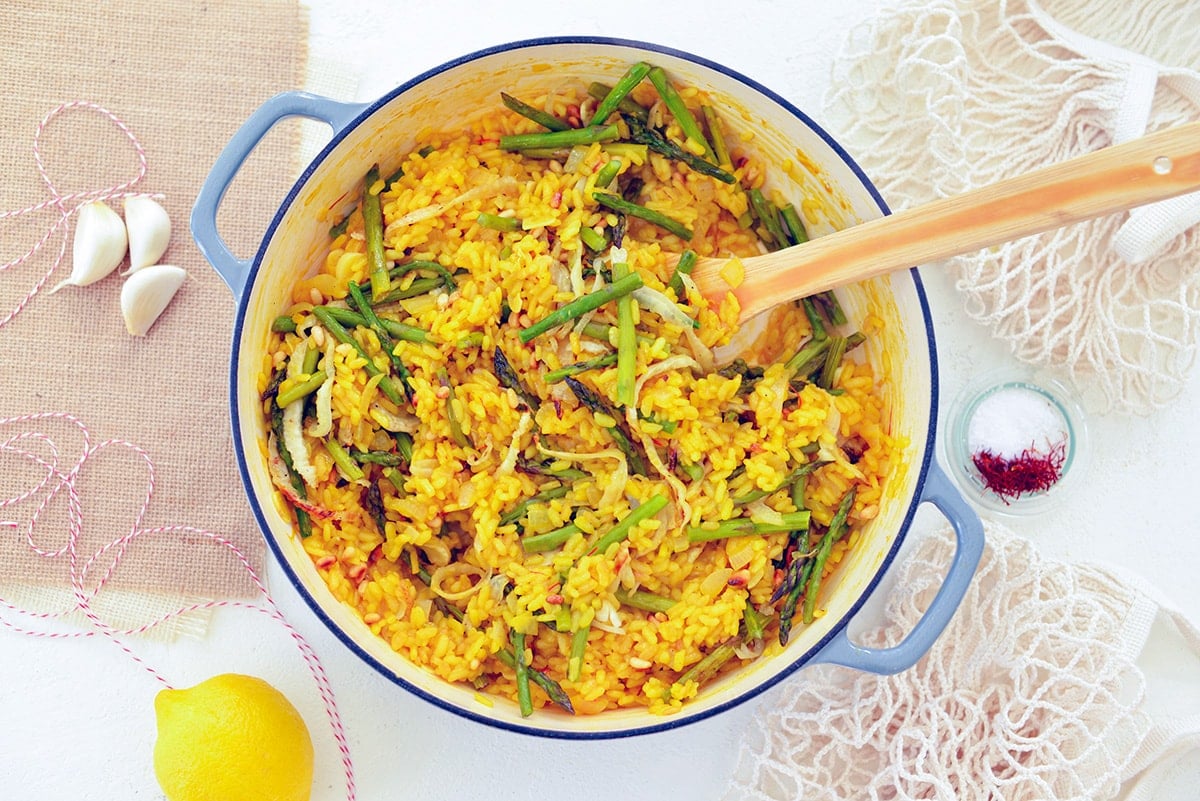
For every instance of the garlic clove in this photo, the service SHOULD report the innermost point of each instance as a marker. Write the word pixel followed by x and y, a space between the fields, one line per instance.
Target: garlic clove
pixel 147 293
pixel 99 245
pixel 149 230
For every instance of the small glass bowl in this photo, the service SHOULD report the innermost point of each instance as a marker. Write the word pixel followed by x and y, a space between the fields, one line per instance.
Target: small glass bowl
pixel 956 447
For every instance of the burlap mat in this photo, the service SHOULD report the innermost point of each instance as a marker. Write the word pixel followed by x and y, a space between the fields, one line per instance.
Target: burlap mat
pixel 183 76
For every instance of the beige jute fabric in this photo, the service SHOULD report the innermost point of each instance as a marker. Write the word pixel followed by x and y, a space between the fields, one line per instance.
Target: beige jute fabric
pixel 182 76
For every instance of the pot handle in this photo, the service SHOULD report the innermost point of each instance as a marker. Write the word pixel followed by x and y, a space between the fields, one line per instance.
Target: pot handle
pixel 968 531
pixel 204 212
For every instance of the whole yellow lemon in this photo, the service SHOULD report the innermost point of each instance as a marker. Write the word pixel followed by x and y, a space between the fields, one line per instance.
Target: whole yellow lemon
pixel 231 738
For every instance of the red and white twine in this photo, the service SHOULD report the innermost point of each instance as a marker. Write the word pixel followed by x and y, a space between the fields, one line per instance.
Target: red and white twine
pixel 58 480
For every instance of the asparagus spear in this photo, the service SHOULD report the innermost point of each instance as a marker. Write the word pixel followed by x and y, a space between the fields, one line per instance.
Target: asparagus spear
pixel 812 355
pixel 342 459
pixel 754 624
pixel 707 667
pixel 382 458
pixel 342 335
pixel 667 426
pixel 283 324
pixel 833 310
pixel 685 265
pixel 302 390
pixel 600 331
pixel 548 541
pixel 272 389
pixel 767 214
pixel 560 139
pixel 340 228
pixel 742 526
pixel 420 286
pixel 581 305
pixel 373 232
pixel 509 378
pixel 552 688
pixel 627 345
pixel 396 175
pixel 795 228
pixel 522 669
pixel 616 234
pixel 548 469
pixel 395 478
pixel 542 118
pixel 799 485
pixel 647 601
pixel 394 328
pixel 498 223
pixel 593 401
pixel 373 501
pixel 837 528
pixel 736 527
pixel 795 580
pixel 558 153
pixel 456 430
pixel 578 647
pixel 620 204
pixel 382 332
pixel 627 105
pixel 607 173
pixel 814 319
pixel 594 241
pixel 471 340
pixel 631 188
pixel 680 111
pixel 404 445
pixel 641 134
pixel 632 77
pixel 519 511
pixel 568 370
pixel 796 475
pixel 833 358
pixel 750 374
pixel 620 531
pixel 398 272
pixel 715 135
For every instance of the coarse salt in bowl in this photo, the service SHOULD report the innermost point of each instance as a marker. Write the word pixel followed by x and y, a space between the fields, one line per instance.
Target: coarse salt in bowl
pixel 1016 442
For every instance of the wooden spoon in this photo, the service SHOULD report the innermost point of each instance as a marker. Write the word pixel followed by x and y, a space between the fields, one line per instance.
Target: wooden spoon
pixel 1117 178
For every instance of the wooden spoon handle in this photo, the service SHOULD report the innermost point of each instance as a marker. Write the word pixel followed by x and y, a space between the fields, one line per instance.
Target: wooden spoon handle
pixel 1116 178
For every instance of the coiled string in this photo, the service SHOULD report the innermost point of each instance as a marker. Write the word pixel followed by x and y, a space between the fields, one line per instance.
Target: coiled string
pixel 58 480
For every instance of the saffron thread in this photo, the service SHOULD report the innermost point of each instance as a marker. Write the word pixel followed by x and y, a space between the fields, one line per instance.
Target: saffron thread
pixel 1028 473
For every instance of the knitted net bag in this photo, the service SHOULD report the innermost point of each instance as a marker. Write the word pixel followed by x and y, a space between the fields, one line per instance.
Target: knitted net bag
pixel 1032 692
pixel 934 97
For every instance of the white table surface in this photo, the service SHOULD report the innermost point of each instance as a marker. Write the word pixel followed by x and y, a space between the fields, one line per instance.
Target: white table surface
pixel 77 716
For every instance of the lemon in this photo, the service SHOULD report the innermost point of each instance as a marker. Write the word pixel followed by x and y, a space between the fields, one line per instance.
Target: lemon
pixel 231 738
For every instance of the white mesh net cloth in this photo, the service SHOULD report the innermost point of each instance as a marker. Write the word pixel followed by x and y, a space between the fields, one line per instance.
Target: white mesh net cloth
pixel 1032 692
pixel 934 97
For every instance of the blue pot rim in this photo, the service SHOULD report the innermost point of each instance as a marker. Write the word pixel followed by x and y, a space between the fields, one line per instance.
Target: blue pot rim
pixel 682 718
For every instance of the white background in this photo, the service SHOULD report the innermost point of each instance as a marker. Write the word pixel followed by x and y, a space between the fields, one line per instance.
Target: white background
pixel 76 717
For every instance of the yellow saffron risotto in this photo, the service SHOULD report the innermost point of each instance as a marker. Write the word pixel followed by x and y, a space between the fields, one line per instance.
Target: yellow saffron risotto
pixel 605 513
